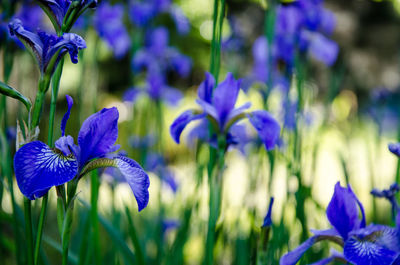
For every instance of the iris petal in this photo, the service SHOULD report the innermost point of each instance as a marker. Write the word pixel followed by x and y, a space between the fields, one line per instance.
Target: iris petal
pixel 225 96
pixel 205 89
pixel 29 39
pixel 137 179
pixel 364 252
pixel 180 123
pixel 38 168
pixel 294 256
pixel 342 211
pixel 98 134
pixel 267 127
pixel 64 120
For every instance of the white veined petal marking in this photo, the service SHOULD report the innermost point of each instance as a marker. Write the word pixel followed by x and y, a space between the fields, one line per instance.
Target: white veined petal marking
pixel 38 168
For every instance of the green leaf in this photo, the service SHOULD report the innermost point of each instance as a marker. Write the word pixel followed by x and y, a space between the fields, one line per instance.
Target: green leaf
pixel 115 235
pixel 72 258
pixel 11 92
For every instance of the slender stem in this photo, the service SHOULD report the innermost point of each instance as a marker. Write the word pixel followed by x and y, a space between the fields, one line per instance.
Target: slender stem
pixel 95 185
pixel 54 94
pixel 28 230
pixel 215 186
pixel 67 224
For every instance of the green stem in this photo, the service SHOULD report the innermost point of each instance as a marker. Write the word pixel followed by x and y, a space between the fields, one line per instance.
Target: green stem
pixel 54 94
pixel 135 241
pixel 215 186
pixel 218 20
pixel 95 185
pixel 28 230
pixel 67 224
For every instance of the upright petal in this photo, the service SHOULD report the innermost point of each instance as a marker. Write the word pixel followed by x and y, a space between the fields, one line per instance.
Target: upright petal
pixel 225 96
pixel 205 89
pixel 64 120
pixel 38 168
pixel 342 211
pixel 267 127
pixel 180 123
pixel 137 179
pixel 98 134
pixel 67 146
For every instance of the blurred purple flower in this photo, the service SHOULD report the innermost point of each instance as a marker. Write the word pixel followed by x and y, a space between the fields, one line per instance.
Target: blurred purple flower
pixel 157 89
pixel 157 56
pixel 142 12
pixel 113 31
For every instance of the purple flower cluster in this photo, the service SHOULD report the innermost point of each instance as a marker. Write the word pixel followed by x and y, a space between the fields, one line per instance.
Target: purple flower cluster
pixel 143 12
pixel 158 59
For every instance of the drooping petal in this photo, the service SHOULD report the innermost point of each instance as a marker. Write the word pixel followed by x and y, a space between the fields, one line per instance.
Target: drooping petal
pixel 267 127
pixel 31 40
pixel 225 96
pixel 67 42
pixel 180 123
pixel 137 179
pixel 38 168
pixel 98 134
pixel 64 120
pixel 205 89
pixel 292 257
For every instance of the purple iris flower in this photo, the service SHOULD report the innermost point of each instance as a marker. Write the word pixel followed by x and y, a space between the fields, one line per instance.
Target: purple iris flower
pixel 302 26
pixel 157 89
pixel 61 12
pixel 113 31
pixel 142 12
pixel 48 49
pixel 362 244
pixel 158 57
pixel 38 167
pixel 218 107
